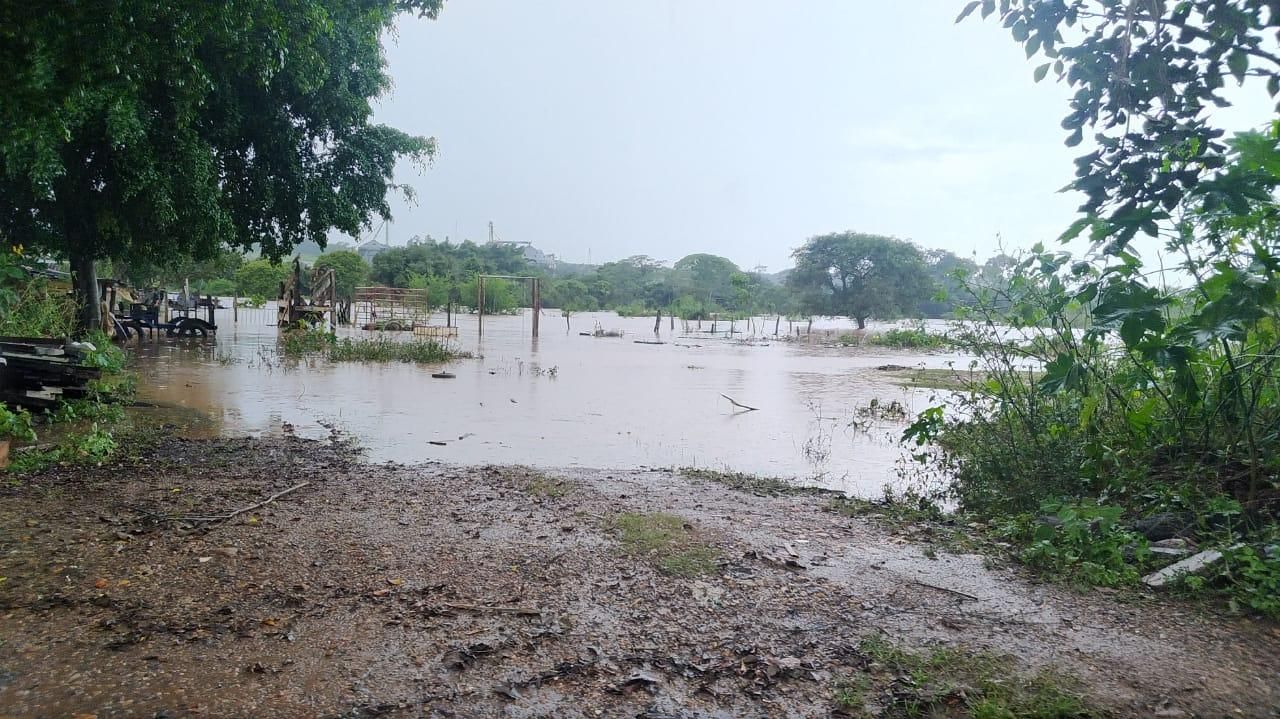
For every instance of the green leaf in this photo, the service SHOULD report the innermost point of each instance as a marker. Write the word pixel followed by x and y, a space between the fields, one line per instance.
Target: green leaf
pixel 1238 64
pixel 1040 72
pixel 1075 229
pixel 968 10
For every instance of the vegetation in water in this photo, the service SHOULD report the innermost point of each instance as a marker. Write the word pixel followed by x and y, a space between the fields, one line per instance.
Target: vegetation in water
pixel 299 343
pixel 909 338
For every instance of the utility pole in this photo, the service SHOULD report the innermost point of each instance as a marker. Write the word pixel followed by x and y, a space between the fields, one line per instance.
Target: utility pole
pixel 491 232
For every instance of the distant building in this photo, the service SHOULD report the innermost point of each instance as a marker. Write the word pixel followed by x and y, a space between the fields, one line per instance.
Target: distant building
pixel 532 255
pixel 371 249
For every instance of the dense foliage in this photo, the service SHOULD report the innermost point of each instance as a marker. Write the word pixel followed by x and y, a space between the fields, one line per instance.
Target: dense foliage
pixel 149 130
pixel 260 278
pixel 694 287
pixel 1169 401
pixel 349 271
pixel 861 276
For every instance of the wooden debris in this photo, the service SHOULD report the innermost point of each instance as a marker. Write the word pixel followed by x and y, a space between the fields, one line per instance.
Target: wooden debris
pixel 736 403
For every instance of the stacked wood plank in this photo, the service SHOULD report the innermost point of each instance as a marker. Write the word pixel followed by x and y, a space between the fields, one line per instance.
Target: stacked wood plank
pixel 39 373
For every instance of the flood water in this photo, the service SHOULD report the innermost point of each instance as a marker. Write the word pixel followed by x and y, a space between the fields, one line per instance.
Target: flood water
pixel 561 399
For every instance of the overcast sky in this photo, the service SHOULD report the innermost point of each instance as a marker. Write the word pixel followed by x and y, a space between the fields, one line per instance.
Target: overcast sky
pixel 599 130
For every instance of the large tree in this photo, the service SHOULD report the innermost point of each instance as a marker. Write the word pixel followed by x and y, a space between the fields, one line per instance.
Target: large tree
pixel 349 271
pixel 706 277
pixel 144 130
pixel 860 276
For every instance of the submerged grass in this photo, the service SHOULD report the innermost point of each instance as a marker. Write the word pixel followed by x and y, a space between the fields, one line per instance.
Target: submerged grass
pixel 897 683
pixel 945 379
pixel 912 338
pixel 299 343
pixel 752 484
pixel 668 540
pixel 389 350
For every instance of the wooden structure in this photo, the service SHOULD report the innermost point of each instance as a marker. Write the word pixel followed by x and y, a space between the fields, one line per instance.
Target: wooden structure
pixel 40 373
pixel 391 308
pixel 535 297
pixel 294 308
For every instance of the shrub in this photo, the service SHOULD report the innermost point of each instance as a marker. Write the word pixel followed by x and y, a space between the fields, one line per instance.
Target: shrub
pixel 913 338
pixel 16 424
pixel 634 310
pixel 37 310
pixel 1167 401
pixel 220 287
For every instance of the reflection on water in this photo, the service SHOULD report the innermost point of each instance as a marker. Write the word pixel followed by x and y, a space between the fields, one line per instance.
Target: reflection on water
pixel 559 400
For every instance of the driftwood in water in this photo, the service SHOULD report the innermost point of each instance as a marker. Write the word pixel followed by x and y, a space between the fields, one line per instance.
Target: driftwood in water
pixel 736 403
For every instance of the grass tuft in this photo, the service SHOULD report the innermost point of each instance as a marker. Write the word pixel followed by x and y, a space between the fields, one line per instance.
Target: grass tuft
pixel 667 540
pixel 901 684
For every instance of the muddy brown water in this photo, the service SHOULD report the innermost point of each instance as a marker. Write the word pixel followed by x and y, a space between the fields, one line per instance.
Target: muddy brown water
pixel 562 399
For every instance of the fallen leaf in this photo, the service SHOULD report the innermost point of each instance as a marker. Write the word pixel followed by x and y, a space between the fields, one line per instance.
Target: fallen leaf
pixel 395 582
pixel 101 583
pixel 123 583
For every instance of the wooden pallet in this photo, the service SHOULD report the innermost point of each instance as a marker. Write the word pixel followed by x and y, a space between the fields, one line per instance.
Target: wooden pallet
pixel 38 374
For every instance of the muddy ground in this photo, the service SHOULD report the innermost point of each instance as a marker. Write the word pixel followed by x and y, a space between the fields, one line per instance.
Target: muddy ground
pixel 379 590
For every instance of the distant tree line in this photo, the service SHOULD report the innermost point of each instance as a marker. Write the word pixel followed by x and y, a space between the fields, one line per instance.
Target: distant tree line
pixel 848 274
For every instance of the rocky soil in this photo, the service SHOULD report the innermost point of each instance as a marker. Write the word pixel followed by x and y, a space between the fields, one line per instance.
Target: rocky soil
pixel 438 591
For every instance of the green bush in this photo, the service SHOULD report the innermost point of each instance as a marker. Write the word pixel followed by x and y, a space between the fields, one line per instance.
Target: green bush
pixel 37 310
pixel 220 287
pixel 634 310
pixel 914 338
pixel 260 278
pixel 15 424
pixel 1086 544
pixel 1167 401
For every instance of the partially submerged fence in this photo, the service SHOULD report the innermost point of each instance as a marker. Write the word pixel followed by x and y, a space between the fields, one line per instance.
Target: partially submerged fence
pixel 390 308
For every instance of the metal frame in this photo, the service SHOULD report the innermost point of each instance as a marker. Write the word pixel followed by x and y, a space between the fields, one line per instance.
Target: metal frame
pixel 535 285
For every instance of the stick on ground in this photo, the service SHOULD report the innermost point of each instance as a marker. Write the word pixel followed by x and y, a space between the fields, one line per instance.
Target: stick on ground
pixel 242 510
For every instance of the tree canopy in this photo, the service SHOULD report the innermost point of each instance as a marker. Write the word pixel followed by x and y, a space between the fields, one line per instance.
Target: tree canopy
pixel 349 271
pixel 1144 74
pixel 860 276
pixel 457 263
pixel 149 130
pixel 261 279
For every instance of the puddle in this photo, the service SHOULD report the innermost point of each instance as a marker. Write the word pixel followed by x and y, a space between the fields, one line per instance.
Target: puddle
pixel 560 400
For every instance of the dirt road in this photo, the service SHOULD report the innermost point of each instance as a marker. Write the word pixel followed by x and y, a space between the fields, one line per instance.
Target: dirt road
pixel 476 592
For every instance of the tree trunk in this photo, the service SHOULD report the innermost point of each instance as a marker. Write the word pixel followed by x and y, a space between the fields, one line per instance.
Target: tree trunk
pixel 657 322
pixel 862 322
pixel 84 278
